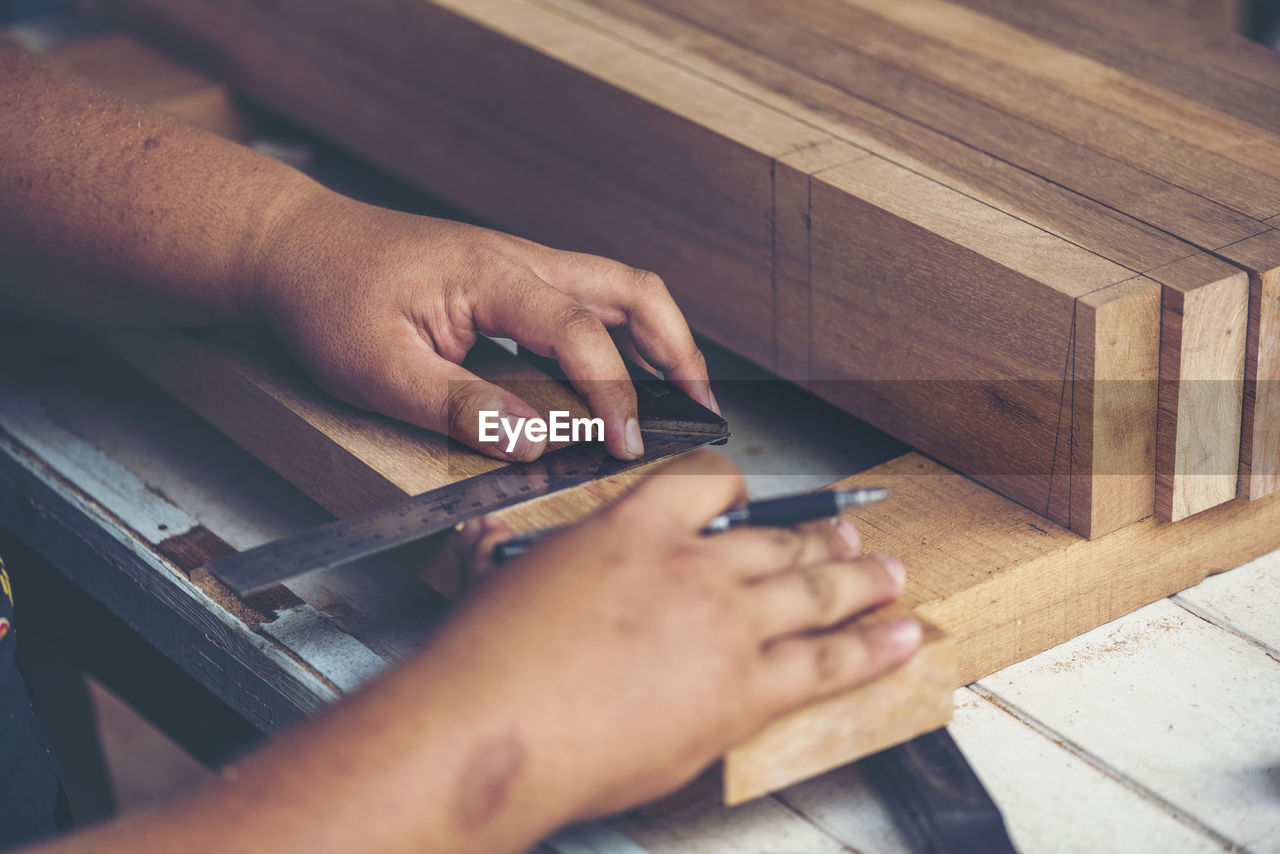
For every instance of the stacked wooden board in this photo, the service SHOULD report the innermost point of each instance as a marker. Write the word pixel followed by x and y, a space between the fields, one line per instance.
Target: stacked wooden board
pixel 1137 314
pixel 1050 269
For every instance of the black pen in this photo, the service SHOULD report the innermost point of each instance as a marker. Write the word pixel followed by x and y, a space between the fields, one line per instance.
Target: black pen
pixel 781 512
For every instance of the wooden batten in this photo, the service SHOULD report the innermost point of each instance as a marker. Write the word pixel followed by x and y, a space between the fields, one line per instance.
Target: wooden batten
pixel 1203 332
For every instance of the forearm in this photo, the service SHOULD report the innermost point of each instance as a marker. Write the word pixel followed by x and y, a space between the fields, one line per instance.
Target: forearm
pixel 115 214
pixel 425 760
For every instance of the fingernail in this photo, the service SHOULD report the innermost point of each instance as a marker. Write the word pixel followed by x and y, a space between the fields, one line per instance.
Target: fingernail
pixel 848 533
pixel 715 404
pixel 469 533
pixel 897 571
pixel 635 442
pixel 903 632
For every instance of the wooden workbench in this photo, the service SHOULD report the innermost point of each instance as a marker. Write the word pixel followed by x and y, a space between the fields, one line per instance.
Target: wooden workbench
pixel 1155 732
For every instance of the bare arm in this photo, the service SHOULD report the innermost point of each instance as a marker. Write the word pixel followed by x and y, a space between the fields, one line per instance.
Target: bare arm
pixel 114 214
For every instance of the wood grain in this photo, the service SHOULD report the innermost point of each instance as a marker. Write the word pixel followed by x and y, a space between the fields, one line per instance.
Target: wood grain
pixel 792 208
pixel 772 329
pixel 826 39
pixel 990 395
pixel 1229 72
pixel 1203 335
pixel 1260 436
pixel 922 149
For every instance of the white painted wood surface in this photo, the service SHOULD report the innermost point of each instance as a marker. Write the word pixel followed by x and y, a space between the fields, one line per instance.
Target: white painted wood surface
pixel 1157 732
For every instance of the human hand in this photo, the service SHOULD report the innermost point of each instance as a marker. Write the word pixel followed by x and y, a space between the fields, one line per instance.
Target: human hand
pixel 639 650
pixel 381 307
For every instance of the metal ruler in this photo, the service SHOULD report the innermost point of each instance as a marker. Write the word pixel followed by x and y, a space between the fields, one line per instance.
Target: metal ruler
pixel 670 421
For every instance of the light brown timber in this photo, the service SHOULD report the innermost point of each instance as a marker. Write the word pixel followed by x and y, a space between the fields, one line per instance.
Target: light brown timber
pixel 1203 332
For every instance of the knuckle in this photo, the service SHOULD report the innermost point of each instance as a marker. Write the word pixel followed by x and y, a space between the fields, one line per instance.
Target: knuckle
pixel 577 320
pixel 490 258
pixel 821 588
pixel 647 282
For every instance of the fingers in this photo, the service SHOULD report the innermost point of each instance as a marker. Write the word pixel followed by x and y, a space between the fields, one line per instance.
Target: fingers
pixel 478 538
pixel 759 552
pixel 551 323
pixel 821 595
pixel 415 384
pixel 799 670
pixel 638 299
pixel 688 492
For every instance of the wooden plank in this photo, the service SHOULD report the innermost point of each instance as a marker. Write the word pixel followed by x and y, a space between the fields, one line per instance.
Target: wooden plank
pixel 973 269
pixel 1027 196
pixel 1202 361
pixel 1158 200
pixel 949 162
pixel 909 701
pixel 792 212
pixel 1002 580
pixel 1115 425
pixel 1211 171
pixel 1259 256
pixel 1101 95
pixel 1155 48
pixel 1006 584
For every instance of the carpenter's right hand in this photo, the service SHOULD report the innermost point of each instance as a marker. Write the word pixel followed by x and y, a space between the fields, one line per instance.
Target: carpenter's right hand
pixel 638 650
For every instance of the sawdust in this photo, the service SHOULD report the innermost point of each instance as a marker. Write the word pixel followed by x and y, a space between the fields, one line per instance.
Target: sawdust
pixel 1118 642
